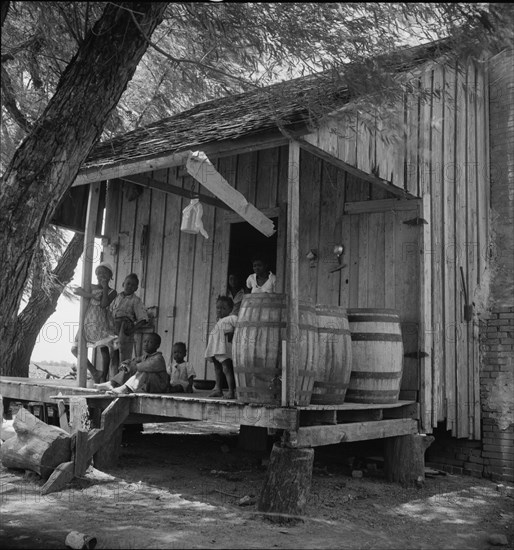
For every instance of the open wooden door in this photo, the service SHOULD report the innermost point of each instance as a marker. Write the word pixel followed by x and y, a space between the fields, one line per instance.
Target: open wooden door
pixel 382 253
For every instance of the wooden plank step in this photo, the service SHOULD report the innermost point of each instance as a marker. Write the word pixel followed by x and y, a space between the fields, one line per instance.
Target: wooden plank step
pixel 357 406
pixel 314 436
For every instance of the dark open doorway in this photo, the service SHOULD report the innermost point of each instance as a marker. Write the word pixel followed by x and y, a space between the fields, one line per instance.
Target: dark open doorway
pixel 245 243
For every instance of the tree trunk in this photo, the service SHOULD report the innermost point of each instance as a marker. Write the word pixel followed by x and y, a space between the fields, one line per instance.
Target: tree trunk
pixel 40 306
pixel 288 483
pixel 4 9
pixel 48 160
pixel 36 446
pixel 404 458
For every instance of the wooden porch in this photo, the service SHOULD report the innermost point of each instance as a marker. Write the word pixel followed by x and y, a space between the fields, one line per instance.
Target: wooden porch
pixel 308 426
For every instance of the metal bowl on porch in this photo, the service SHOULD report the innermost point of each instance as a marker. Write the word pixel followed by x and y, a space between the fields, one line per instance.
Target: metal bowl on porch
pixel 204 384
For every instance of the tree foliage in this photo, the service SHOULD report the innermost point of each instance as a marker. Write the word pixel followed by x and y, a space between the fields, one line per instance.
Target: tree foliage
pixel 214 49
pixel 199 51
pixel 48 159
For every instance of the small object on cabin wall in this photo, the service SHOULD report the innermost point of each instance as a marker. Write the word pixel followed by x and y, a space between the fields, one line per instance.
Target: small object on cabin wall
pixel 192 219
pixel 416 221
pixel 143 249
pixel 468 308
pixel 338 251
pixel 132 191
pixel 312 256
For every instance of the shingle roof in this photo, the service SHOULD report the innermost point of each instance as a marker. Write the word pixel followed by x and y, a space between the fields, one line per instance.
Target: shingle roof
pixel 294 101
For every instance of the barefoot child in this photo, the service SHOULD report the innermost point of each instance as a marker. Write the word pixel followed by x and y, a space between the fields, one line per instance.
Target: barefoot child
pixel 262 280
pixel 129 314
pixel 144 374
pixel 181 373
pixel 219 347
pixel 99 330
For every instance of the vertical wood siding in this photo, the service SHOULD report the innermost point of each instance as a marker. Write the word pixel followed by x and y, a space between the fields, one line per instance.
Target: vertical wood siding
pixel 440 154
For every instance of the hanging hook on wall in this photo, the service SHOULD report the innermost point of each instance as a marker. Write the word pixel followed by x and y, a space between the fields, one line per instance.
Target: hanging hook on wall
pixel 468 308
pixel 194 193
pixel 338 252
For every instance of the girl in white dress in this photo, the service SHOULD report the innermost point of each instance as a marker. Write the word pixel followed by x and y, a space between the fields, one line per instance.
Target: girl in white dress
pixel 262 280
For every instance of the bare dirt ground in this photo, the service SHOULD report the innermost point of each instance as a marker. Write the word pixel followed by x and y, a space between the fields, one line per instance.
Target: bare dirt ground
pixel 179 486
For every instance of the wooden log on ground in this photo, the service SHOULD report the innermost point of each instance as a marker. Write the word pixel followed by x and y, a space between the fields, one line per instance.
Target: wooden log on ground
pixel 287 486
pixel 404 458
pixel 36 446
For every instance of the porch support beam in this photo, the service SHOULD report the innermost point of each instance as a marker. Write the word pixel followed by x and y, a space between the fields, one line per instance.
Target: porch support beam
pixel 380 205
pixel 375 180
pixel 87 269
pixel 200 167
pixel 144 181
pixel 289 377
pixel 314 436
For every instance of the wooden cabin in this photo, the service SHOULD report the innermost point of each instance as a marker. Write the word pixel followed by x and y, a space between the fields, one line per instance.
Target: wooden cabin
pixel 411 213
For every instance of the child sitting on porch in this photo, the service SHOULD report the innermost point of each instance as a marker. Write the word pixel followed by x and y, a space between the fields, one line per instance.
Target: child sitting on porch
pixel 219 347
pixel 262 280
pixel 129 314
pixel 144 374
pixel 99 330
pixel 181 373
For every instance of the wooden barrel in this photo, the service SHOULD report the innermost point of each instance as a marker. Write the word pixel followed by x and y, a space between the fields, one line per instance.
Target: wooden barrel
pixel 335 356
pixel 377 356
pixel 257 349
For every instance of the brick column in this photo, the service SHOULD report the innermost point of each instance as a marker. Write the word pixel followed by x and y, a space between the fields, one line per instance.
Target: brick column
pixel 497 328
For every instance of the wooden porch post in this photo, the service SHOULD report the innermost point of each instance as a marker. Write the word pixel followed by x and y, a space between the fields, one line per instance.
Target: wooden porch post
pixel 87 269
pixel 293 217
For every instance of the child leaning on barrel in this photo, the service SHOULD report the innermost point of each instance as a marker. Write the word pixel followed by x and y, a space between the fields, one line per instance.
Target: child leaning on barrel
pixel 219 347
pixel 181 372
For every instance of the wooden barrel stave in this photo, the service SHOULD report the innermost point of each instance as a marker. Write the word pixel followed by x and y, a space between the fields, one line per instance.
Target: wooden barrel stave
pixel 335 356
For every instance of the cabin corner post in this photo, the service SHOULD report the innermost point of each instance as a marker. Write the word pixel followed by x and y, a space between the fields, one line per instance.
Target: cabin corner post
pixel 293 221
pixel 87 270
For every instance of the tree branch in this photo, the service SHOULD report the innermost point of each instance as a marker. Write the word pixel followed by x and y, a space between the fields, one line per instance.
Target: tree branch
pixel 10 102
pixel 179 60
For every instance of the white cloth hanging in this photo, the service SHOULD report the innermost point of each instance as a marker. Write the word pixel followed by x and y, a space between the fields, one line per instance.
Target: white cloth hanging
pixel 192 219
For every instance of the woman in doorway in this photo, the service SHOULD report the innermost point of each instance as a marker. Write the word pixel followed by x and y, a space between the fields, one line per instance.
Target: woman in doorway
pixel 236 291
pixel 262 279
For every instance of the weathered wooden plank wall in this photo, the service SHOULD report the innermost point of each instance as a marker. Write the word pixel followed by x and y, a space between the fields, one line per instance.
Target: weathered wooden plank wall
pixel 440 153
pixel 181 273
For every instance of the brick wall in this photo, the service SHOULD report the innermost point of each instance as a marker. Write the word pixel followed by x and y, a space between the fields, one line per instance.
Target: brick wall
pixel 497 329
pixel 493 456
pixel 456 456
pixel 497 393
